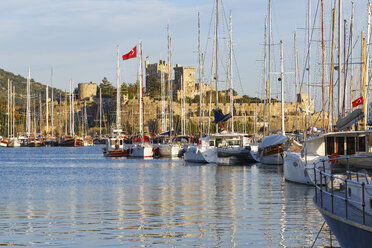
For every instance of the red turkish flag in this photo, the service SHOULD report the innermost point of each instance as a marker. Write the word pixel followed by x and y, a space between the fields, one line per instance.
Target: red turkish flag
pixel 358 102
pixel 131 54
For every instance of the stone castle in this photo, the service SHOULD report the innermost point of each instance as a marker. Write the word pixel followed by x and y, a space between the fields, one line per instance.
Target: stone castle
pixel 253 115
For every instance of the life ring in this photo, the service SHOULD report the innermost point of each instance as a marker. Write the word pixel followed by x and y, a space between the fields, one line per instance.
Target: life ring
pixel 334 155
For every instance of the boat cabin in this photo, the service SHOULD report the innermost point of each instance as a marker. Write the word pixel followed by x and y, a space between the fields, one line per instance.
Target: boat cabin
pixel 228 140
pixel 341 143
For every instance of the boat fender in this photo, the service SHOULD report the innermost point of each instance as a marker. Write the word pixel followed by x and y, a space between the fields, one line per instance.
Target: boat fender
pixel 334 155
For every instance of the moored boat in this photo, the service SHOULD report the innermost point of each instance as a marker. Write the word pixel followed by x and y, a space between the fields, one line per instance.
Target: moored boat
pixel 346 205
pixel 271 149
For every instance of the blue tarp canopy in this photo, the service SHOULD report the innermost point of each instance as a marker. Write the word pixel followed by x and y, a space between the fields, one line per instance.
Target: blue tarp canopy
pixel 220 117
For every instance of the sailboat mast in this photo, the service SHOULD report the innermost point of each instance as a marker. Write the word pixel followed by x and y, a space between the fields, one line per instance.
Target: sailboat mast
pixel 100 112
pixel 51 85
pixel 47 109
pixel 330 108
pixel 216 58
pixel 296 74
pixel 231 77
pixel 309 58
pixel 162 85
pixel 339 58
pixel 8 105
pixel 282 84
pixel 269 71
pixel 200 81
pixel 28 114
pixel 141 91
pixel 170 86
pixel 344 99
pixel 118 112
pixel 323 58
pixel 13 115
pixel 40 114
pixel 365 100
pixel 351 58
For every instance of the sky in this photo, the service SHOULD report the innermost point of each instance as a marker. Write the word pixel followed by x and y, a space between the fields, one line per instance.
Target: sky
pixel 78 38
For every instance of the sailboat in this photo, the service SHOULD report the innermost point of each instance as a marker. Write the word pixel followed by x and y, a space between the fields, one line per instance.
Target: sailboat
pixel 72 139
pixel 115 144
pixel 224 147
pixel 172 149
pixel 142 148
pixel 271 148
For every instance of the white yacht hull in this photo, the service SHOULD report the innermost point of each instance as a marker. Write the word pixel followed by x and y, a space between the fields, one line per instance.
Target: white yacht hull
pixel 273 159
pixel 300 169
pixel 141 151
pixel 194 155
pixel 170 150
pixel 295 169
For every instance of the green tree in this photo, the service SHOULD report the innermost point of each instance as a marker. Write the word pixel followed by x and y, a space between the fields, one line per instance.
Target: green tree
pixel 153 87
pixel 107 89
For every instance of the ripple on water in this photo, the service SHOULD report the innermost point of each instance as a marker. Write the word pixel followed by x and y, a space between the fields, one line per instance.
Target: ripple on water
pixel 75 197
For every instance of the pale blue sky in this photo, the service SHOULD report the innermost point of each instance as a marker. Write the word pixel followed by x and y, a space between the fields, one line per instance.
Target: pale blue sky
pixel 79 37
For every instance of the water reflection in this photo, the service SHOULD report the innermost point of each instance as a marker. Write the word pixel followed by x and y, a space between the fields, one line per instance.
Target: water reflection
pixel 82 199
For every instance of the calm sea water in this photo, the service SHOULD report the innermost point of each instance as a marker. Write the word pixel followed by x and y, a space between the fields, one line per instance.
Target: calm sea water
pixel 74 197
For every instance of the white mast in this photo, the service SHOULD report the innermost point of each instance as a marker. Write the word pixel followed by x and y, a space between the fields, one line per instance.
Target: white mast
pixel 201 111
pixel 47 109
pixel 216 54
pixel 282 81
pixel 265 79
pixel 231 78
pixel 182 109
pixel 73 109
pixel 162 85
pixel 100 112
pixel 118 112
pixel 170 89
pixel 51 85
pixel 13 106
pixel 28 114
pixel 141 91
pixel 184 105
pixel 70 115
pixel 309 60
pixel 8 104
pixel 269 72
pixel 85 119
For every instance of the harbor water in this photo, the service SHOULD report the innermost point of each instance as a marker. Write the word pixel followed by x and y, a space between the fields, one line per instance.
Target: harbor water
pixel 75 197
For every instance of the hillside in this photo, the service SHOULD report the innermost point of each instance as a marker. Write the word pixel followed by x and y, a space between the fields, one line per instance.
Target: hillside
pixel 19 83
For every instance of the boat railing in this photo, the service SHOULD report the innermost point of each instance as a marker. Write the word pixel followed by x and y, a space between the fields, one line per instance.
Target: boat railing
pixel 324 184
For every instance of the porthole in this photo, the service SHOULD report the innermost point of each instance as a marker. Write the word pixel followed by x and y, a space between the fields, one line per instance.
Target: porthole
pixel 295 164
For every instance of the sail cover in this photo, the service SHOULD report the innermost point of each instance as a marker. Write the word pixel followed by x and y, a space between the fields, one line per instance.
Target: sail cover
pixel 273 140
pixel 220 117
pixel 350 119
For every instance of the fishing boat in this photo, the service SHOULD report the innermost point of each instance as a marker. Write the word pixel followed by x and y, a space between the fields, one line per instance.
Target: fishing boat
pixel 3 142
pixel 116 145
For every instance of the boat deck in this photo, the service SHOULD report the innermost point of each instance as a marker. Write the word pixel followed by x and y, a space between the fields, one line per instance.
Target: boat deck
pixel 342 210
